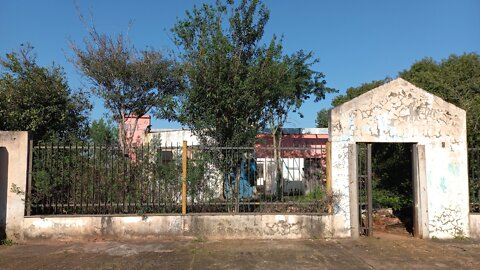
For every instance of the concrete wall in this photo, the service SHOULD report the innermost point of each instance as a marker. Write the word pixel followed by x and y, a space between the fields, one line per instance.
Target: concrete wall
pixel 475 226
pixel 13 178
pixel 3 190
pixel 399 112
pixel 202 226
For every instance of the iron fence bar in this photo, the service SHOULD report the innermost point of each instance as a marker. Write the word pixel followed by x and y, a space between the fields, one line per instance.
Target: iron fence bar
pixel 29 178
pixel 75 180
pixel 45 153
pixel 369 189
pixel 477 152
pixel 91 178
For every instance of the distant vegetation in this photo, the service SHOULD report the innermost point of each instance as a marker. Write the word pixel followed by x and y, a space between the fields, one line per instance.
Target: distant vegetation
pixel 455 79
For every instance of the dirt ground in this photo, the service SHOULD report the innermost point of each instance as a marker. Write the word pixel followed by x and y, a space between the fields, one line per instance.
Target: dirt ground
pixel 383 251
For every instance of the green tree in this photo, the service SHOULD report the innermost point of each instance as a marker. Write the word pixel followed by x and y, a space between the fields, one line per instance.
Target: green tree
pixel 286 82
pixel 103 132
pixel 236 83
pixel 322 119
pixel 130 82
pixel 456 80
pixel 353 92
pixel 38 99
pixel 221 52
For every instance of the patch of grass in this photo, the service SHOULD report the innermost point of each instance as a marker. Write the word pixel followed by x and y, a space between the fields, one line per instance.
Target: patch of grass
pixel 7 242
pixel 460 237
pixel 316 194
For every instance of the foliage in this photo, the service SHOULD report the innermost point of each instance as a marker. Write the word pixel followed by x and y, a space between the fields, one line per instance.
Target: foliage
pixel 129 81
pixel 456 80
pixel 221 103
pixel 319 192
pixel 384 198
pixel 7 242
pixel 351 93
pixel 91 178
pixel 38 99
pixel 287 81
pixel 236 84
pixel 322 119
pixel 103 132
pixel 354 92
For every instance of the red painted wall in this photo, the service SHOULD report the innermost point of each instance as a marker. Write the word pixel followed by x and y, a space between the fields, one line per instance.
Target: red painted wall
pixel 293 145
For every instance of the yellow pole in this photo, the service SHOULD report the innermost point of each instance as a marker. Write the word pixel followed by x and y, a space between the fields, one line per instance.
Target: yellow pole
pixel 329 177
pixel 184 178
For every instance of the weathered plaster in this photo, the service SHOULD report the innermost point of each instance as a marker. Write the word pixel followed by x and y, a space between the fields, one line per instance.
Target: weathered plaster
pixel 399 112
pixel 202 226
pixel 14 148
pixel 475 226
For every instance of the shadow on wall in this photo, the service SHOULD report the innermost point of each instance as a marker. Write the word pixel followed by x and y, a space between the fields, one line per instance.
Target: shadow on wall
pixel 3 190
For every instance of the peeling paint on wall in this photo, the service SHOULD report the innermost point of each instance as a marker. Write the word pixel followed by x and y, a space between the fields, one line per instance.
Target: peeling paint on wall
pixel 400 112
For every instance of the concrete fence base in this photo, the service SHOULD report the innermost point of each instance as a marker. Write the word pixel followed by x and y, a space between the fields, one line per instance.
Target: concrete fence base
pixel 222 226
pixel 474 226
pixel 15 226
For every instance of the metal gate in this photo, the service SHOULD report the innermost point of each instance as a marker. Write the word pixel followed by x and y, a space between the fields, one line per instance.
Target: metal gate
pixel 364 180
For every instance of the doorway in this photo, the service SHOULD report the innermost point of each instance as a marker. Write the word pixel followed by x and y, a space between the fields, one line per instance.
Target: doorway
pixel 3 191
pixel 387 188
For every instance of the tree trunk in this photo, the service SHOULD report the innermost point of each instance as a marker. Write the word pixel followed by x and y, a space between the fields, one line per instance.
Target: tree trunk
pixel 277 140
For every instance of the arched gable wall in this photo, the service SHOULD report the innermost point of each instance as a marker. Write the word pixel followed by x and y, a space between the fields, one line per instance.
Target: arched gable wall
pixel 400 112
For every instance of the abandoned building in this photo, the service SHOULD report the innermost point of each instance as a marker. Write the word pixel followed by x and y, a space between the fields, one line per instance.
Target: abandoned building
pixel 432 131
pixel 303 155
pixel 400 112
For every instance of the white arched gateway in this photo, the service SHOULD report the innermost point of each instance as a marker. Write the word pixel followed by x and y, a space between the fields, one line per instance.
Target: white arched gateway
pixel 400 112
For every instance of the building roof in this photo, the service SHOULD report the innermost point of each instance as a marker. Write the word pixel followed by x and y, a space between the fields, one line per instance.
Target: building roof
pixel 290 131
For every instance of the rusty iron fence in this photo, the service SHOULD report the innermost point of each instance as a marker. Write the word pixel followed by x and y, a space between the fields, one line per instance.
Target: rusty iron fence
pixel 88 179
pixel 474 178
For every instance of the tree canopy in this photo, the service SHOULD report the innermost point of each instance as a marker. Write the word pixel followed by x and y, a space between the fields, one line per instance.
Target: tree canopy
pixel 322 119
pixel 38 99
pixel 220 52
pixel 103 132
pixel 236 83
pixel 455 79
pixel 130 82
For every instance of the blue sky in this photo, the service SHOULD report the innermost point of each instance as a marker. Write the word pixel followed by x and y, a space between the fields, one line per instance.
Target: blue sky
pixel 356 41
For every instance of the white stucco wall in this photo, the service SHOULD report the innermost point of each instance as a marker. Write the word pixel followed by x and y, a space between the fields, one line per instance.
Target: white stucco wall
pixel 13 172
pixel 172 137
pixel 221 226
pixel 399 112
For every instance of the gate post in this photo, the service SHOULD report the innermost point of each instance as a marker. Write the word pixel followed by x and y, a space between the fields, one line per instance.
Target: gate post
pixel 329 178
pixel 353 187
pixel 184 178
pixel 13 180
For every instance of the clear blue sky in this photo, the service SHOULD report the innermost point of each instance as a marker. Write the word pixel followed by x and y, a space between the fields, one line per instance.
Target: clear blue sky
pixel 356 41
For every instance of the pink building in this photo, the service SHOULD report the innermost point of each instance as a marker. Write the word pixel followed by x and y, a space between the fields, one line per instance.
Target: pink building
pixel 143 123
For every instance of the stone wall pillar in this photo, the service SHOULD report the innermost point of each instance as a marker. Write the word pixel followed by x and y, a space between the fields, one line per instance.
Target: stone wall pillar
pixel 13 179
